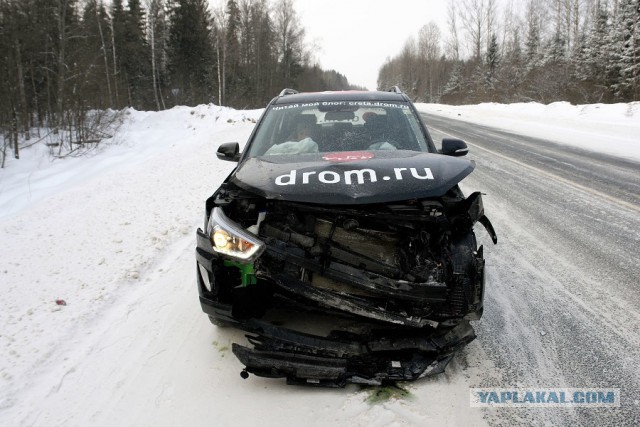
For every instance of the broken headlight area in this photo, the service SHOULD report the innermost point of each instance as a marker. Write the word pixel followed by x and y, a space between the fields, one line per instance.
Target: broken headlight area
pixel 410 271
pixel 230 239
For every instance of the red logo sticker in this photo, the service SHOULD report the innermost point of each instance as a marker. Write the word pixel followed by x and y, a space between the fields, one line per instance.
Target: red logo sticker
pixel 348 156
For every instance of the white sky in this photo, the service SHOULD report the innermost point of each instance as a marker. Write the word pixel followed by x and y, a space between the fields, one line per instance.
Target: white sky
pixel 355 37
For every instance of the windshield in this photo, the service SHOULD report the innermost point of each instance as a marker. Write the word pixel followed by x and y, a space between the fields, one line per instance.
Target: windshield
pixel 339 126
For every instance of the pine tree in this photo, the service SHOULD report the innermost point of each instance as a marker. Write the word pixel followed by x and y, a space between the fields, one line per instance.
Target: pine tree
pixel 95 59
pixel 454 85
pixel 628 85
pixel 118 19
pixel 596 53
pixel 158 38
pixel 231 51
pixel 66 19
pixel 492 63
pixel 266 59
pixel 555 51
pixel 191 57
pixel 533 40
pixel 512 70
pixel 135 57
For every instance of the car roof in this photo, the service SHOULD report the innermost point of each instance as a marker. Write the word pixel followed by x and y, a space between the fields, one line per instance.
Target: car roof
pixel 350 95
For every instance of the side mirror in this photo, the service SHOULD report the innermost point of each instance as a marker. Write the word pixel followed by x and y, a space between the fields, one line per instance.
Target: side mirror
pixel 229 151
pixel 454 147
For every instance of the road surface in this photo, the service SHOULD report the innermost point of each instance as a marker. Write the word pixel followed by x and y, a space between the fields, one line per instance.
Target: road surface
pixel 563 295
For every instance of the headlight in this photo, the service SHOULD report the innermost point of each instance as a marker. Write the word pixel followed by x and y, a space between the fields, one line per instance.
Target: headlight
pixel 229 238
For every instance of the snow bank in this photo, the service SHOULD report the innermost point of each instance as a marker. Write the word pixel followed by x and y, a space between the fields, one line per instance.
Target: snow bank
pixel 144 134
pixel 83 231
pixel 605 128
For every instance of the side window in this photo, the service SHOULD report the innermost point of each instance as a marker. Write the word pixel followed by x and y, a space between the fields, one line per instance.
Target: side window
pixel 268 133
pixel 413 135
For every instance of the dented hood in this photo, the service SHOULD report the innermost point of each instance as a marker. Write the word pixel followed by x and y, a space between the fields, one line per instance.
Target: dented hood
pixel 351 177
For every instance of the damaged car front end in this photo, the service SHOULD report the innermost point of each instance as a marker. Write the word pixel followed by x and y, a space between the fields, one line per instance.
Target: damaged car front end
pixel 372 234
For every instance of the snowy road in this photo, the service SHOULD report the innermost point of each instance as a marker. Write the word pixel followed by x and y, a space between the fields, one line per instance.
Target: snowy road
pixel 132 347
pixel 562 294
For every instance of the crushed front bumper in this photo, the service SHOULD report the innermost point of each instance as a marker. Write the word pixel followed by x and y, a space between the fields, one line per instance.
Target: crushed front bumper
pixel 410 299
pixel 339 358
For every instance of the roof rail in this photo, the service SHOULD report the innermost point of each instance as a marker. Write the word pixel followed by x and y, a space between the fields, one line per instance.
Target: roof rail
pixel 395 89
pixel 288 92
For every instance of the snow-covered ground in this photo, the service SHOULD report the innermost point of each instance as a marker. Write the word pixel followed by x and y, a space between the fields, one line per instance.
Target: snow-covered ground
pixel 97 275
pixel 606 128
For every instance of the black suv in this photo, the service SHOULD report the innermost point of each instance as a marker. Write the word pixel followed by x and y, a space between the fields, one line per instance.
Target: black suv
pixel 342 206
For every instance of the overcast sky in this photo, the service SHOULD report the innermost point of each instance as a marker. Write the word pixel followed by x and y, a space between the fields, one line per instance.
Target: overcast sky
pixel 355 37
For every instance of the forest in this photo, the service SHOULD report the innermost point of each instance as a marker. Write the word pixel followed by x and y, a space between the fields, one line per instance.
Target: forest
pixel 580 51
pixel 67 63
pixel 69 66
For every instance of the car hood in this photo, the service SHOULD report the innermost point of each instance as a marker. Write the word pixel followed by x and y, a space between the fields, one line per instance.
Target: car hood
pixel 357 177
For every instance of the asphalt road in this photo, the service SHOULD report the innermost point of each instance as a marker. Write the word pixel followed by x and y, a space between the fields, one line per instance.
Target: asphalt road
pixel 562 305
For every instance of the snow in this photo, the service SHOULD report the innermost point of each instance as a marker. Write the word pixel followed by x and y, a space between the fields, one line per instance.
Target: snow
pixel 612 129
pixel 112 235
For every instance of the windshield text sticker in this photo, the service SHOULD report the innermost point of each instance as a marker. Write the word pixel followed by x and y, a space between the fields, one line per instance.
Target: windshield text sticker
pixel 339 104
